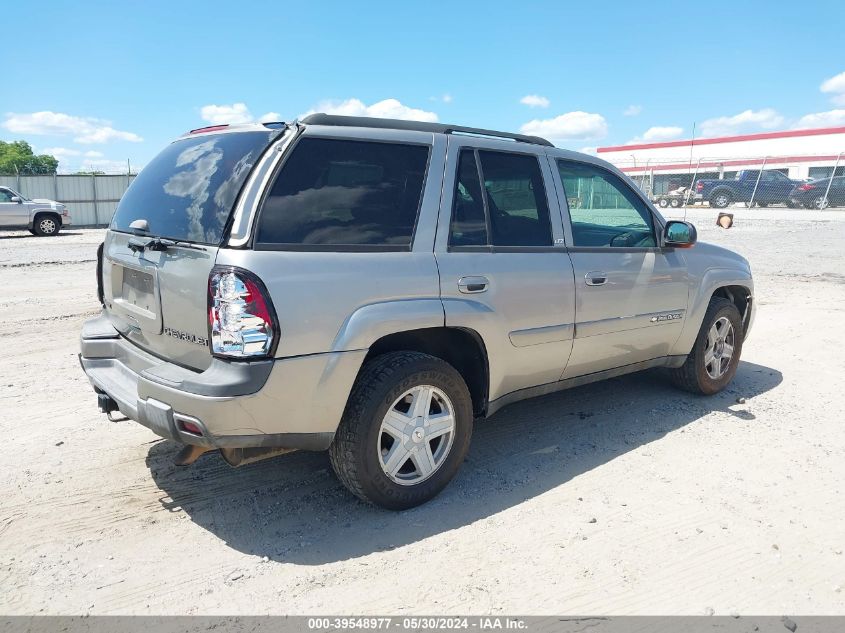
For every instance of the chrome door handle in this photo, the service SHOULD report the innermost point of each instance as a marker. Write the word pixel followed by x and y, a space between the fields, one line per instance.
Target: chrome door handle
pixel 595 278
pixel 473 285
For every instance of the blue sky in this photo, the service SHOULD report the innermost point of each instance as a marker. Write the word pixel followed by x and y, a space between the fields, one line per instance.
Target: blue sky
pixel 110 81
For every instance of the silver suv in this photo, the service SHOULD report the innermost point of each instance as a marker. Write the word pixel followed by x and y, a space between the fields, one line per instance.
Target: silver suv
pixel 374 287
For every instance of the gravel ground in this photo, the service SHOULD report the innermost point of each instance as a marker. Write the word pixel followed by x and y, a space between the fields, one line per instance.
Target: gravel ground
pixel 624 497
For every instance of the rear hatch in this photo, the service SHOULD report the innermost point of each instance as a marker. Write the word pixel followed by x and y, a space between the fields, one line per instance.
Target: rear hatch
pixel 164 237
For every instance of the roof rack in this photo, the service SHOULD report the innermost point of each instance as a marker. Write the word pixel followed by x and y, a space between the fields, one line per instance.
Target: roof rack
pixel 320 118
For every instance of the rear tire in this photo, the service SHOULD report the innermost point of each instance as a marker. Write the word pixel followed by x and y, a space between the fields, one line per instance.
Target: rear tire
pixel 675 203
pixel 819 203
pixel 721 200
pixel 395 446
pixel 712 363
pixel 662 203
pixel 46 225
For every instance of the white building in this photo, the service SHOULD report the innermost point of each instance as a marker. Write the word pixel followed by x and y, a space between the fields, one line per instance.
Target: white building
pixel 661 167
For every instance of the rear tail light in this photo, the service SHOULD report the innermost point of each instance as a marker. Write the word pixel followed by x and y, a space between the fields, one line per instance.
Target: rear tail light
pixel 806 187
pixel 241 319
pixel 699 186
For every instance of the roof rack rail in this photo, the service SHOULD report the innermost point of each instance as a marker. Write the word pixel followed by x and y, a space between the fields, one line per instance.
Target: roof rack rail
pixel 320 118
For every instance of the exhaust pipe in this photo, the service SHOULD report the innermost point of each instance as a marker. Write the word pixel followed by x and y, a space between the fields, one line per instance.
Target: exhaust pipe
pixel 242 456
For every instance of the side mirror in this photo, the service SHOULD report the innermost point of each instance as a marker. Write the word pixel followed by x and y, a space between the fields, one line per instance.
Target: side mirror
pixel 679 234
pixel 16 199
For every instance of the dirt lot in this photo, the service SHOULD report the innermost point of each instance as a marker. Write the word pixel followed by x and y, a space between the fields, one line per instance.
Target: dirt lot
pixel 626 497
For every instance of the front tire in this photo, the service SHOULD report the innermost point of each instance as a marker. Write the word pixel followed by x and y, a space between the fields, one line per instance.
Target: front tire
pixel 712 363
pixel 405 431
pixel 46 225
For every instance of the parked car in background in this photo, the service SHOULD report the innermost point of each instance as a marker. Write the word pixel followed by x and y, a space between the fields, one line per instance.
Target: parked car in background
pixel 815 194
pixel 41 217
pixel 770 187
pixel 374 287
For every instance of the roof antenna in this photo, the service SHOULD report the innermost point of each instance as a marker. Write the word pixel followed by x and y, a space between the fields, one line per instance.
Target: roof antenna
pixel 692 184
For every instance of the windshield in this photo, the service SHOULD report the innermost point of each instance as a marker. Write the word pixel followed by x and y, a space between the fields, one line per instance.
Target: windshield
pixel 11 193
pixel 187 192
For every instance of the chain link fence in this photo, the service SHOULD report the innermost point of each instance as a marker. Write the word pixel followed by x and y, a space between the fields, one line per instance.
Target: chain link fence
pixel 797 182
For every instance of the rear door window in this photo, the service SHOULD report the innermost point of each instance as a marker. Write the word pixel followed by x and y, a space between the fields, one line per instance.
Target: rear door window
pixel 509 210
pixel 187 192
pixel 334 193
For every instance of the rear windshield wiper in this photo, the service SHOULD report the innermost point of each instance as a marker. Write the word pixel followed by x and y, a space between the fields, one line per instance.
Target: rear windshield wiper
pixel 160 244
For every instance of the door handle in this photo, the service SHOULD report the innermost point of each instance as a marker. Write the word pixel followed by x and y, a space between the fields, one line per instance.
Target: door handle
pixel 473 285
pixel 595 278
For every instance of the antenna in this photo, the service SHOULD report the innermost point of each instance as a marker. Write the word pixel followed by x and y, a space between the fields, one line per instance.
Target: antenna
pixel 692 184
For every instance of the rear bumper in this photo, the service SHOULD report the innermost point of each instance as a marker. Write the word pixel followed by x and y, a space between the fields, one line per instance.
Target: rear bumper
pixel 290 403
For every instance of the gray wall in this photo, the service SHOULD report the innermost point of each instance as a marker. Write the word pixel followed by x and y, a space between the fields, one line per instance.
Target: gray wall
pixel 91 200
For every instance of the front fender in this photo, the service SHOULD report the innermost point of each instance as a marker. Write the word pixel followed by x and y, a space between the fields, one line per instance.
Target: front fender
pixel 710 281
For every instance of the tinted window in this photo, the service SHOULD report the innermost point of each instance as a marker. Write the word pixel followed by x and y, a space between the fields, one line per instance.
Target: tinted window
pixel 469 226
pixel 604 210
pixel 516 199
pixel 334 192
pixel 187 192
pixel 5 196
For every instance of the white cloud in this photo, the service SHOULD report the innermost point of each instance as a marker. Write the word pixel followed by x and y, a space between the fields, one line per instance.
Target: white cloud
pixel 767 118
pixel 60 152
pixel 85 130
pixel 447 98
pixel 570 126
pixel 835 84
pixel 535 101
pixel 234 114
pixel 662 133
pixel 632 110
pixel 388 109
pixel 831 118
pixel 226 114
pixel 93 154
pixel 590 149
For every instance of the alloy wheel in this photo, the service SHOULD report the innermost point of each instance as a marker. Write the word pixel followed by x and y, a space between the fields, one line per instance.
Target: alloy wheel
pixel 47 226
pixel 720 348
pixel 416 435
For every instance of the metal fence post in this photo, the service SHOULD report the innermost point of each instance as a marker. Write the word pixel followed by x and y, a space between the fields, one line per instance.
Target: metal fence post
pixel 55 187
pixel 692 184
pixel 759 175
pixel 830 182
pixel 94 198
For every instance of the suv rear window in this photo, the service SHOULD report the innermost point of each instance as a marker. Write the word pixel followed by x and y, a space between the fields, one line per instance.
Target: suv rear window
pixel 187 192
pixel 335 193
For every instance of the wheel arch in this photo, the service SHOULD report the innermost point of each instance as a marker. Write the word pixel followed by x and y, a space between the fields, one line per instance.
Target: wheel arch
pixel 716 282
pixel 741 297
pixel 34 215
pixel 462 348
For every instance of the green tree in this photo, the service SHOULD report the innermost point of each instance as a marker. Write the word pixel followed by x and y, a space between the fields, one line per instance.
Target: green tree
pixel 17 158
